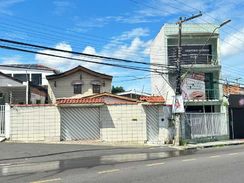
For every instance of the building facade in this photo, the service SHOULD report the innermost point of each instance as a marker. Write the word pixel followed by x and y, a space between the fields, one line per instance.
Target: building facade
pixel 201 67
pixel 34 73
pixel 14 91
pixel 77 82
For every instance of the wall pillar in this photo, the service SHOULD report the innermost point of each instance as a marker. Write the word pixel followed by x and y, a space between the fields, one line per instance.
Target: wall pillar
pixel 7 121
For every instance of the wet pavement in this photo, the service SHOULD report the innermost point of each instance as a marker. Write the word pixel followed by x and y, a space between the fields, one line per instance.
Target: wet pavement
pixel 38 162
pixel 87 157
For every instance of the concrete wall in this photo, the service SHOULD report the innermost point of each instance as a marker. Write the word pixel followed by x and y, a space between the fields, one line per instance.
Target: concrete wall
pixel 34 123
pixel 123 123
pixel 118 123
pixel 168 36
pixel 64 87
pixel 166 128
pixel 158 55
pixel 15 70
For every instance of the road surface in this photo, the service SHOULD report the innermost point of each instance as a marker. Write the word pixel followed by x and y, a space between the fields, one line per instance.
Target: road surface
pixel 105 164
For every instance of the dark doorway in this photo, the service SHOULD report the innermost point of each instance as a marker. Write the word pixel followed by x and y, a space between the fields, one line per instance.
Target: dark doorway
pixel 236 116
pixel 237 123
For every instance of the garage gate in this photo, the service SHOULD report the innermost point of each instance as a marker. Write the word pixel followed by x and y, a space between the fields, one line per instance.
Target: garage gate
pixel 80 123
pixel 152 124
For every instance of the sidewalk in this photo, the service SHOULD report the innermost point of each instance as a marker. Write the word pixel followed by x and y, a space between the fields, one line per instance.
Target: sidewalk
pixel 211 144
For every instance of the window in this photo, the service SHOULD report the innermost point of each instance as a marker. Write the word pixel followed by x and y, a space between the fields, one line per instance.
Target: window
pixel 22 77
pixel 80 76
pixel 77 88
pixel 36 79
pixel 96 88
pixel 55 84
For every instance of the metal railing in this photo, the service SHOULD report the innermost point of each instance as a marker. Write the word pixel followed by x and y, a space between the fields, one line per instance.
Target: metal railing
pixel 211 94
pixel 206 124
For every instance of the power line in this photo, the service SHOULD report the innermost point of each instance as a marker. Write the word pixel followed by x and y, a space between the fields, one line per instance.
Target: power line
pixel 78 53
pixel 83 60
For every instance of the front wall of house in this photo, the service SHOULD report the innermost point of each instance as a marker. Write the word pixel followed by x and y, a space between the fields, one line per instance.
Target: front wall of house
pixel 123 123
pixel 64 87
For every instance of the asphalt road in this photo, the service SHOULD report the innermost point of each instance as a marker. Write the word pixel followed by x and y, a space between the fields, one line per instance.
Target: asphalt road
pixel 104 164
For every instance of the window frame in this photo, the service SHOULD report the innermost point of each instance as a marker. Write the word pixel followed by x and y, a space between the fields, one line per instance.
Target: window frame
pixel 77 88
pixel 94 89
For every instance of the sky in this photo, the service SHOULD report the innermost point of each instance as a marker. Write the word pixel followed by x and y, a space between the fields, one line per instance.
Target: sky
pixel 115 28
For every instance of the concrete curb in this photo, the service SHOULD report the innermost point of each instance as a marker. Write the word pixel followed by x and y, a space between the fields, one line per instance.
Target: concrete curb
pixel 209 145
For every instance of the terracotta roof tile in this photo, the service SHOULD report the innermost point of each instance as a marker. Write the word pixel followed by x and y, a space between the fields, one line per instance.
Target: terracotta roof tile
pixel 79 101
pixel 153 99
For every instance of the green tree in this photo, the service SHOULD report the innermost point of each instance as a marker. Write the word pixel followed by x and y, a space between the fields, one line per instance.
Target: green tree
pixel 117 89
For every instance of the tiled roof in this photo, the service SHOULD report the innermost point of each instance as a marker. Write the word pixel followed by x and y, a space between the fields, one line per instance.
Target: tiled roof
pixel 106 94
pixel 153 99
pixel 77 69
pixel 79 101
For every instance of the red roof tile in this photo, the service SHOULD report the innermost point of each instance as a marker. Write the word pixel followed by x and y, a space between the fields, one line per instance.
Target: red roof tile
pixel 79 101
pixel 153 99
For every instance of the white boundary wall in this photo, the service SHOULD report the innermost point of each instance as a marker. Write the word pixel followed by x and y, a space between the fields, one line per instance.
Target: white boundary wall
pixel 34 123
pixel 125 123
pixel 118 123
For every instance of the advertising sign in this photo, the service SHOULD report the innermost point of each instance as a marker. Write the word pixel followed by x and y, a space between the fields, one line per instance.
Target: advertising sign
pixel 193 87
pixel 189 54
pixel 178 105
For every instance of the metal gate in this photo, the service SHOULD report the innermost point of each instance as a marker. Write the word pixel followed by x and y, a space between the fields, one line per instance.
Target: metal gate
pixel 79 123
pixel 2 120
pixel 237 123
pixel 152 123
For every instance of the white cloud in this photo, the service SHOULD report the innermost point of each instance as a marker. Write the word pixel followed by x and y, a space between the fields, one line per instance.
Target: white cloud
pixel 128 45
pixel 132 47
pixel 233 44
pixel 64 64
pixel 61 6
pixel 137 32
pixel 5 5
pixel 55 62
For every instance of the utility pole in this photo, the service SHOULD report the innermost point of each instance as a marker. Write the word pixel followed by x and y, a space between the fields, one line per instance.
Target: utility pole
pixel 177 116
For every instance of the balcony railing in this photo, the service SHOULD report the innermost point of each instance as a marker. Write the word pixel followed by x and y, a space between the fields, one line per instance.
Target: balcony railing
pixel 202 59
pixel 211 94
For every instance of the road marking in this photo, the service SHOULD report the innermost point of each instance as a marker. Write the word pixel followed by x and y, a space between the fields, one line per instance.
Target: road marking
pixel 155 164
pixel 232 154
pixel 108 171
pixel 193 159
pixel 152 148
pixel 49 180
pixel 215 156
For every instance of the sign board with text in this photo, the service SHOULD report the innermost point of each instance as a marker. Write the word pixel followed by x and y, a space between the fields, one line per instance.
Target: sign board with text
pixel 193 87
pixel 189 54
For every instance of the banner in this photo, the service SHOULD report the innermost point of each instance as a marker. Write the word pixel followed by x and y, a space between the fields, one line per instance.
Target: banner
pixel 178 105
pixel 193 87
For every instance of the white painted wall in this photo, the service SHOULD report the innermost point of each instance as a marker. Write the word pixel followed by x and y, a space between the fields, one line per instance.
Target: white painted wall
pixel 123 123
pixel 64 87
pixel 35 123
pixel 158 55
pixel 14 70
